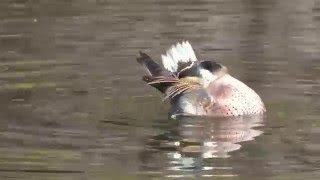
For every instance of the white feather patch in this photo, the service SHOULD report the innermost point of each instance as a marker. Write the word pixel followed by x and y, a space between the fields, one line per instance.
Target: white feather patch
pixel 207 77
pixel 181 52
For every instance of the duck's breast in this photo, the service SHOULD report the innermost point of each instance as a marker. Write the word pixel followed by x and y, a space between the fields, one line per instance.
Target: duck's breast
pixel 234 98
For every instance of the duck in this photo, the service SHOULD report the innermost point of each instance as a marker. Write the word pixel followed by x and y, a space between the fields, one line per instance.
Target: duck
pixel 199 87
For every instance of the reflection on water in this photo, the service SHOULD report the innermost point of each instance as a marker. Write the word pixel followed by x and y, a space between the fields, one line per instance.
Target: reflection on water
pixel 194 142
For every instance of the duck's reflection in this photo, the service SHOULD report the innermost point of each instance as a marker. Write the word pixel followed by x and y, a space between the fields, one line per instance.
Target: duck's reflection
pixel 197 146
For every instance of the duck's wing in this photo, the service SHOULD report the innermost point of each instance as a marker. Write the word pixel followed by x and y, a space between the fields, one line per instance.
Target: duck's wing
pixel 181 60
pixel 151 66
pixel 179 57
pixel 157 77
pixel 172 86
pixel 161 79
pixel 183 85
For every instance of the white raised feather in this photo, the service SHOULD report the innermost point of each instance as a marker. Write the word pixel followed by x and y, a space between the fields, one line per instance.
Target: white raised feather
pixel 181 52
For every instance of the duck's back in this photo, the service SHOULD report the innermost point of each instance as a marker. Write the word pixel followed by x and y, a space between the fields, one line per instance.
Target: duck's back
pixel 234 98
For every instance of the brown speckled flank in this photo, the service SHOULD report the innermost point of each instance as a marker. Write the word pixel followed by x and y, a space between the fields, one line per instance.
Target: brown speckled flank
pixel 233 98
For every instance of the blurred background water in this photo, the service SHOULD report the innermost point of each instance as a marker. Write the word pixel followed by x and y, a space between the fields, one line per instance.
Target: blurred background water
pixel 73 105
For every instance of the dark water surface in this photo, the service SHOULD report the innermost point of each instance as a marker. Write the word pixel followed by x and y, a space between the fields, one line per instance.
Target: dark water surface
pixel 73 105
